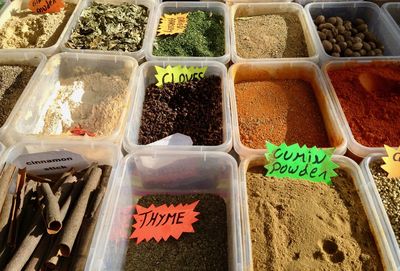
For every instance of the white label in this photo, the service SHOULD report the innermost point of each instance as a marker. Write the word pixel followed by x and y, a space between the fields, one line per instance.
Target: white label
pixel 174 140
pixel 51 162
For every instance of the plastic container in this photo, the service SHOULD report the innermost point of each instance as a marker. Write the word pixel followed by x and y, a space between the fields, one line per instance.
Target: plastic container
pixel 182 7
pixel 21 4
pixel 146 77
pixel 66 65
pixel 379 207
pixel 138 54
pixel 355 147
pixel 368 11
pixel 2 149
pixel 253 9
pixel 232 2
pixel 20 58
pixel 305 2
pixel 308 71
pixel 354 171
pixel 392 12
pixel 169 172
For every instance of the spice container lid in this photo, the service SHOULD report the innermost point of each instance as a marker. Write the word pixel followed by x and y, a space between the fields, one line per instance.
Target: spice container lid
pixel 254 9
pixel 20 58
pixel 146 76
pixel 21 4
pixel 182 7
pixel 392 12
pixel 77 66
pixel 372 15
pixel 303 70
pixel 377 204
pixel 139 55
pixel 355 147
pixel 186 173
pixel 354 171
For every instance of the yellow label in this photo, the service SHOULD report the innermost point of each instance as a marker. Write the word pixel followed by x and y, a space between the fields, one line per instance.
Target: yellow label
pixel 171 24
pixel 392 161
pixel 178 74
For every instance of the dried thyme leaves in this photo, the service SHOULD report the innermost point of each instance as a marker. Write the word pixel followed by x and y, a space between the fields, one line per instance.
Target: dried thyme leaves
pixel 110 27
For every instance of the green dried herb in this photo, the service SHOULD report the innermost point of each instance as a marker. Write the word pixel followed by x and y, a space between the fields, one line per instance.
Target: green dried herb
pixel 204 37
pixel 110 27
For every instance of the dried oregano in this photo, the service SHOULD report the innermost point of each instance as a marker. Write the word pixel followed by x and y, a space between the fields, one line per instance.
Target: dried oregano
pixel 110 27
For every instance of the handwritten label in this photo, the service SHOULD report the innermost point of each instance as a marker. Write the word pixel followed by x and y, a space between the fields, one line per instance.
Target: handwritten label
pixel 45 6
pixel 51 162
pixel 171 24
pixel 163 221
pixel 392 162
pixel 178 74
pixel 311 164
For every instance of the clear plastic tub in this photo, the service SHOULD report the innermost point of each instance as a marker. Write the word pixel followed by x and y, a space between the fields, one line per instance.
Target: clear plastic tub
pixel 355 147
pixel 139 55
pixel 368 11
pixel 305 2
pixel 354 171
pixel 21 4
pixel 378 206
pixel 181 7
pixel 232 2
pixel 253 9
pixel 392 12
pixel 308 71
pixel 2 149
pixel 67 65
pixel 146 77
pixel 20 58
pixel 169 172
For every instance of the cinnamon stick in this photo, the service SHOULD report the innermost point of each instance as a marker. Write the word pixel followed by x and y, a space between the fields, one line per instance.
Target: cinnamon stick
pixel 5 181
pixel 35 262
pixel 4 222
pixel 52 210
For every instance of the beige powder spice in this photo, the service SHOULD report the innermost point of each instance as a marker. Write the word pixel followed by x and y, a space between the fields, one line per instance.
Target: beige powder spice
pixel 29 30
pixel 300 225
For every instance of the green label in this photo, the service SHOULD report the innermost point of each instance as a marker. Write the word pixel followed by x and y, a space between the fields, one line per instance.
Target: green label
pixel 311 164
pixel 178 74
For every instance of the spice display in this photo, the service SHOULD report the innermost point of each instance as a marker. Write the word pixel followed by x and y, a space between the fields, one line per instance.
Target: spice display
pixel 13 80
pixel 282 33
pixel 193 108
pixel 51 219
pixel 90 104
pixel 347 38
pixel 300 225
pixel 205 249
pixel 370 98
pixel 32 30
pixel 204 36
pixel 109 27
pixel 389 191
pixel 279 111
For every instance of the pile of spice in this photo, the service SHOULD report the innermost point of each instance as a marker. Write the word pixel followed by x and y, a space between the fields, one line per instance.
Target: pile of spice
pixel 370 98
pixel 91 104
pixel 346 38
pixel 26 29
pixel 204 36
pixel 205 249
pixel 193 108
pixel 301 225
pixel 13 80
pixel 49 222
pixel 109 27
pixel 270 36
pixel 279 111
pixel 389 190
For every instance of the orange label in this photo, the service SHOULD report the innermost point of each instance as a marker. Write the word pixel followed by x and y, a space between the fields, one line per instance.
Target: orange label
pixel 163 221
pixel 45 6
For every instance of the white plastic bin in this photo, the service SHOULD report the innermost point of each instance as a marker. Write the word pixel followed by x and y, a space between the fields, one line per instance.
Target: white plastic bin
pixel 66 65
pixel 368 11
pixel 366 199
pixel 308 71
pixel 20 58
pixel 139 55
pixel 146 77
pixel 169 172
pixel 254 9
pixel 392 12
pixel 181 7
pixel 21 4
pixel 379 207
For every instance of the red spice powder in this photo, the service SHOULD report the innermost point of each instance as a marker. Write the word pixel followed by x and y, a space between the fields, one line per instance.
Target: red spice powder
pixel 373 116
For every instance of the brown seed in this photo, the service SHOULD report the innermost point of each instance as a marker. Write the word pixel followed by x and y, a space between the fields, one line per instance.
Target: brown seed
pixel 349 43
pixel 335 54
pixel 347 25
pixel 333 41
pixel 378 52
pixel 341 29
pixel 362 28
pixel 348 52
pixel 326 26
pixel 336 48
pixel 343 45
pixel 356 46
pixel 372 44
pixel 327 46
pixel 370 36
pixel 360 36
pixel 363 52
pixel 359 21
pixel 371 53
pixel 356 54
pixel 366 46
pixel 353 31
pixel 332 20
pixel 339 21
pixel 347 35
pixel 340 38
pixel 329 34
pixel 322 36
pixel 356 40
pixel 319 20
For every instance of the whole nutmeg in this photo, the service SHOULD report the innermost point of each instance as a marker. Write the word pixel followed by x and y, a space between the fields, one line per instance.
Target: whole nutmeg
pixel 356 54
pixel 335 54
pixel 353 31
pixel 360 36
pixel 359 21
pixel 356 40
pixel 322 35
pixel 329 34
pixel 333 41
pixel 347 25
pixel 349 43
pixel 348 52
pixel 363 52
pixel 343 45
pixel 366 46
pixel 378 52
pixel 371 53
pixel 319 20
pixel 356 46
pixel 332 20
pixel 362 28
pixel 339 20
pixel 336 48
pixel 340 38
pixel 326 26
pixel 327 46
pixel 347 35
pixel 341 29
